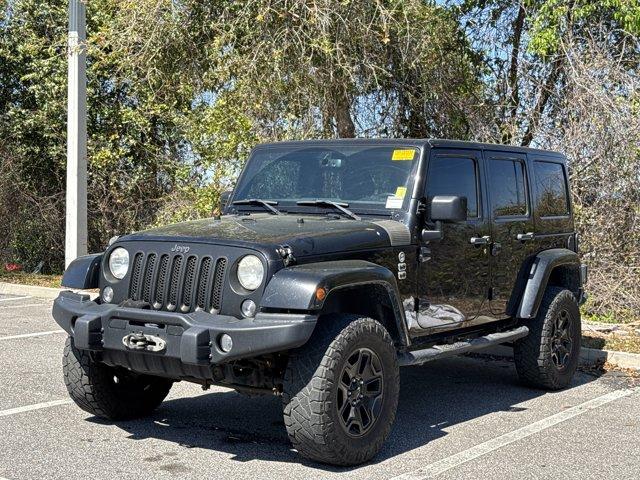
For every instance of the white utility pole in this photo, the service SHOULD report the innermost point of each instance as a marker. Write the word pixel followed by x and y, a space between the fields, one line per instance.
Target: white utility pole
pixel 76 224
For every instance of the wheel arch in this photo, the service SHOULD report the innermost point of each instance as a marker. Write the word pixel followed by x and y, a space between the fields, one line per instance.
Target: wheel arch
pixel 83 272
pixel 557 267
pixel 371 299
pixel 351 286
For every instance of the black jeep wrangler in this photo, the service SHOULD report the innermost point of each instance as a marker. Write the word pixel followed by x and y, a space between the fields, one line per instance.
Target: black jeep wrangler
pixel 335 263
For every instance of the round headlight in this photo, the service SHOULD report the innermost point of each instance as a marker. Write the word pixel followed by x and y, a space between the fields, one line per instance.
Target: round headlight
pixel 250 272
pixel 119 263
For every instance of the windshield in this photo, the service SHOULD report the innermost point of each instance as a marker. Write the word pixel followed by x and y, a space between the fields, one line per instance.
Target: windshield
pixel 363 176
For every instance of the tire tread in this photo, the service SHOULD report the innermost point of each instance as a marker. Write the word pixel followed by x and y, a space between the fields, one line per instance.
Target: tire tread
pixel 88 383
pixel 308 387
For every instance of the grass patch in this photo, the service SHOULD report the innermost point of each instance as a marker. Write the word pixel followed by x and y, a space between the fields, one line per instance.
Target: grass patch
pixel 623 316
pixel 628 343
pixel 38 279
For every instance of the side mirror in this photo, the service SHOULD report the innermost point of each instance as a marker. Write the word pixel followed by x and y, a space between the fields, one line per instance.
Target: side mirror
pixel 445 208
pixel 448 208
pixel 224 199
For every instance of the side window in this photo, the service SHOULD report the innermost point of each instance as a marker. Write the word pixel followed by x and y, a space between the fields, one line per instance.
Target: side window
pixel 507 188
pixel 454 176
pixel 552 196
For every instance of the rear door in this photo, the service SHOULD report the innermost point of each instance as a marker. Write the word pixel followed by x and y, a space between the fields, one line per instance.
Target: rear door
pixel 512 226
pixel 552 207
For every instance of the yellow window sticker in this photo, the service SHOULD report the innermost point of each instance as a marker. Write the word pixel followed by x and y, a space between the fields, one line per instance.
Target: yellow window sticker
pixel 406 154
pixel 401 192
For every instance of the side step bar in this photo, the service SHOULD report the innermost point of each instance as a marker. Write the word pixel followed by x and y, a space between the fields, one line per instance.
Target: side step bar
pixel 418 357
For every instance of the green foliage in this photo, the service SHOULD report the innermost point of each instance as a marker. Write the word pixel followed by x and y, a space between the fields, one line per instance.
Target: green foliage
pixel 135 138
pixel 553 18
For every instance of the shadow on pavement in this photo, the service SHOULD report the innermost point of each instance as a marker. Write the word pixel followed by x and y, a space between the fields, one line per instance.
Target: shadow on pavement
pixel 432 398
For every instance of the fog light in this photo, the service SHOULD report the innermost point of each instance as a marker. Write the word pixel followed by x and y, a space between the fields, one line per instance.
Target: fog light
pixel 107 294
pixel 226 344
pixel 248 308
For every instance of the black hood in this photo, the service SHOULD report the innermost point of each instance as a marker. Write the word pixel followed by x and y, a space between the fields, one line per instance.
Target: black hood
pixel 307 235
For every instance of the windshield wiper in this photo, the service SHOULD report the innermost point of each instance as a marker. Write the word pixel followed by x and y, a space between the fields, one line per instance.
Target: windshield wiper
pixel 340 206
pixel 268 204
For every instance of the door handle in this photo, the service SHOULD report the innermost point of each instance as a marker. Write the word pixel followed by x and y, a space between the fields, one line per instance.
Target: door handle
pixel 523 237
pixel 480 240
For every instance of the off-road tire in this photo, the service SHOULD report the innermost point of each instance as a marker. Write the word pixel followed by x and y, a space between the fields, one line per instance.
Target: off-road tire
pixel 311 384
pixel 533 353
pixel 92 386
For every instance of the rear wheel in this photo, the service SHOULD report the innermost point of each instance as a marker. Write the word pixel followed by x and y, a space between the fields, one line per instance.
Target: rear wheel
pixel 548 357
pixel 109 392
pixel 341 391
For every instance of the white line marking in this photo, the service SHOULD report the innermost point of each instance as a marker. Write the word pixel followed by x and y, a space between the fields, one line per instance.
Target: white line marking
pixel 489 446
pixel 14 298
pixel 2 309
pixel 27 335
pixel 29 408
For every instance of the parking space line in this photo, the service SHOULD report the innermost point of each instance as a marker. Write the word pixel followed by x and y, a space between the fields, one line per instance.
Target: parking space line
pixel 27 335
pixel 37 406
pixel 14 298
pixel 7 307
pixel 489 446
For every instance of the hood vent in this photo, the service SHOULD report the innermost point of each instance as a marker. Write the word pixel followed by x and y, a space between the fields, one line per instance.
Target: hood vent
pixel 399 233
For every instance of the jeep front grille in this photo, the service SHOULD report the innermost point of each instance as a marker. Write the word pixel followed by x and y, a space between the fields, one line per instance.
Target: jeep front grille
pixel 183 283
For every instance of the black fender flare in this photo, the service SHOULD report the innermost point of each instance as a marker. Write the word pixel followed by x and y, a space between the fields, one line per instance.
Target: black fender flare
pixel 83 272
pixel 538 278
pixel 294 288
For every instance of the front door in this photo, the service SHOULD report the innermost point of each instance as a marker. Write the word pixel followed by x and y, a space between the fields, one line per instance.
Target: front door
pixel 511 224
pixel 454 272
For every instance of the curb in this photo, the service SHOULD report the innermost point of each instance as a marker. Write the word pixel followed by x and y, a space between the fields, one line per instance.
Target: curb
pixel 588 356
pixel 36 291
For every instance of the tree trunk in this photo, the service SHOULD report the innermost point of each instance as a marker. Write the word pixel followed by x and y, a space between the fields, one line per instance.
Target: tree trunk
pixel 543 98
pixel 514 89
pixel 344 122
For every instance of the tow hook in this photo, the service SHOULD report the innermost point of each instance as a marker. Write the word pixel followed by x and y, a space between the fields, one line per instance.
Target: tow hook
pixel 141 342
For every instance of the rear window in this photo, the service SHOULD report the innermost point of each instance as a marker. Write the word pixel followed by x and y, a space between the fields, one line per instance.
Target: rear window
pixel 551 186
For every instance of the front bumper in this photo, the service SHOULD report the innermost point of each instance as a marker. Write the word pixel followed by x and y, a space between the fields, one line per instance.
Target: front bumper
pixel 190 339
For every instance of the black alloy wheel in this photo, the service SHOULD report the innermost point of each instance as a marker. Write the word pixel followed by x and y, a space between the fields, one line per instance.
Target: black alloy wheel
pixel 360 393
pixel 561 343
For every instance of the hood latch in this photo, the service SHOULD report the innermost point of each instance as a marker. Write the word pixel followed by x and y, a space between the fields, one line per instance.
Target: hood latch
pixel 286 252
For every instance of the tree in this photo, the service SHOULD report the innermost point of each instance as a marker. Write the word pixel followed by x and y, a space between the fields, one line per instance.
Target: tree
pixel 135 138
pixel 312 68
pixel 523 50
pixel 563 75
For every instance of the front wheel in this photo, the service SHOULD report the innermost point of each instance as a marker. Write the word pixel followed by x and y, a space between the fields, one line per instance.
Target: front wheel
pixel 341 391
pixel 109 392
pixel 548 357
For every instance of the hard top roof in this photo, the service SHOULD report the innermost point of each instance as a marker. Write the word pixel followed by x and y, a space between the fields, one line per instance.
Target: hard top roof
pixel 426 142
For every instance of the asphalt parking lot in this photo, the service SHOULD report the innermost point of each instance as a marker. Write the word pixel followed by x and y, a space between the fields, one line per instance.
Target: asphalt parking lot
pixel 460 418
